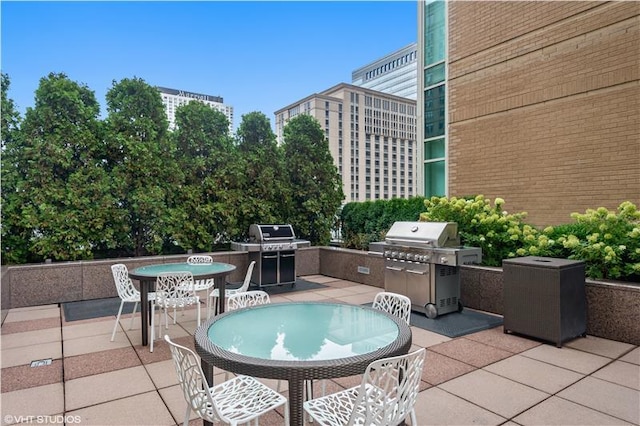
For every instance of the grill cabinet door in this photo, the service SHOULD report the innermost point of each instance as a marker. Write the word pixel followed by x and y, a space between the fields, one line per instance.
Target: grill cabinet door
pixel 269 268
pixel 418 284
pixel 287 266
pixel 395 280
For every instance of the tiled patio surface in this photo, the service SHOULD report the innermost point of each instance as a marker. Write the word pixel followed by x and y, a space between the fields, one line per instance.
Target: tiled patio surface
pixel 486 378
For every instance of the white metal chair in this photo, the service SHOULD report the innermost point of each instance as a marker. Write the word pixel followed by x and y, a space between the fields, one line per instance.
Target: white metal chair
pixel 386 396
pixel 247 298
pixel 127 293
pixel 393 303
pixel 215 293
pixel 239 400
pixel 173 290
pixel 202 285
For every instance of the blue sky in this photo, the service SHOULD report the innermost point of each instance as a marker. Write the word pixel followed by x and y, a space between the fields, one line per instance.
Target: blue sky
pixel 259 56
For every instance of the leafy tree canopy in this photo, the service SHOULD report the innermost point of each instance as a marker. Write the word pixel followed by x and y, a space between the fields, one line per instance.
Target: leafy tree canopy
pixel 314 180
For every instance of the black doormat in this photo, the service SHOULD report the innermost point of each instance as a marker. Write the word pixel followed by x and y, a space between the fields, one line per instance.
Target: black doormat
pixel 98 308
pixel 299 285
pixel 456 324
pixel 95 308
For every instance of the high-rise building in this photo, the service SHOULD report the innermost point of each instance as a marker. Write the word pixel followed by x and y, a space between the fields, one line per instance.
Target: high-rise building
pixel 173 98
pixel 371 137
pixel 537 103
pixel 395 73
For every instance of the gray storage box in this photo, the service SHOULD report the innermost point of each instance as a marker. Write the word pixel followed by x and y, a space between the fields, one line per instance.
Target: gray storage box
pixel 545 298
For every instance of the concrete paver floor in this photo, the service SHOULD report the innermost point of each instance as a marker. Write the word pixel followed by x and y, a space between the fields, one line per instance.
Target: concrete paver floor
pixel 485 378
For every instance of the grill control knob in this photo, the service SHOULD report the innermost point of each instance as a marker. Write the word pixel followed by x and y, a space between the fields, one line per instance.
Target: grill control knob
pixel 387 253
pixel 444 260
pixel 409 256
pixel 394 254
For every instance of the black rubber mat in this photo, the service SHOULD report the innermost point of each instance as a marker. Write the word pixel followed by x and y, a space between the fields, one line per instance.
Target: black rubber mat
pixel 98 308
pixel 455 324
pixel 300 285
pixel 95 308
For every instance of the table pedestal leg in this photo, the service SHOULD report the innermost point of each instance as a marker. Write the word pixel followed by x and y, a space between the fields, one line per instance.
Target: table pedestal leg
pixel 296 398
pixel 145 313
pixel 221 285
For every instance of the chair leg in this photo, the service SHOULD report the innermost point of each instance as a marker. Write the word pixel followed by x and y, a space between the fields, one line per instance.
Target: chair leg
pixel 186 415
pixel 153 327
pixel 412 415
pixel 115 327
pixel 133 315
pixel 286 414
pixel 165 319
pixel 198 305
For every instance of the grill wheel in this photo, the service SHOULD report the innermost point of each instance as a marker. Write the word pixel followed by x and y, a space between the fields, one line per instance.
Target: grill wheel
pixel 431 310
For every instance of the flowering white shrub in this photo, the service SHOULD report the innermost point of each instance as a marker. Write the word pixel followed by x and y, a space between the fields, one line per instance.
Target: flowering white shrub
pixel 608 242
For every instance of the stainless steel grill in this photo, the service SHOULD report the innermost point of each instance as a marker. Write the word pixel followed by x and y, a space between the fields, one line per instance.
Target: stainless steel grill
pixel 422 262
pixel 273 247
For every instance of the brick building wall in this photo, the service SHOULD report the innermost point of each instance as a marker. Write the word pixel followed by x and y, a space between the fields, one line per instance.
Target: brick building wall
pixel 544 105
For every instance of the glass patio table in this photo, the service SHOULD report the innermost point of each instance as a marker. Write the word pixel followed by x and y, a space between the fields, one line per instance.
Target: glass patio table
pixel 147 276
pixel 298 341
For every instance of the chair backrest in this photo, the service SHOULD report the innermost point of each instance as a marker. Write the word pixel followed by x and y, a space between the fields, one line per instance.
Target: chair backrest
pixel 389 390
pixel 393 303
pixel 247 298
pixel 197 259
pixel 175 288
pixel 124 285
pixel 192 381
pixel 247 277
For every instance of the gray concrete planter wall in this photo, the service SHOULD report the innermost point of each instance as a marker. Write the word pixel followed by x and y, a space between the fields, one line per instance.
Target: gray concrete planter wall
pixel 613 307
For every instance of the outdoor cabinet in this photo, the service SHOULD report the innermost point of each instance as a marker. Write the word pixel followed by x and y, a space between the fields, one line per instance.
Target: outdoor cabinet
pixel 545 298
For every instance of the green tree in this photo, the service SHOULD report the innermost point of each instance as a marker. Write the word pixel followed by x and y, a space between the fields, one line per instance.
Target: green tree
pixel 266 190
pixel 314 179
pixel 61 196
pixel 15 236
pixel 206 156
pixel 10 118
pixel 141 160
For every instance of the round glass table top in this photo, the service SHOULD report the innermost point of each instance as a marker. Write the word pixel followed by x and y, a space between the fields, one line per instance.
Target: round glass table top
pixel 303 331
pixel 153 271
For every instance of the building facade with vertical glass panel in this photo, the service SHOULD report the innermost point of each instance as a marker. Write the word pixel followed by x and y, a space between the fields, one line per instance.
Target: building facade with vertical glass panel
pixel 395 73
pixel 371 137
pixel 173 98
pixel 537 103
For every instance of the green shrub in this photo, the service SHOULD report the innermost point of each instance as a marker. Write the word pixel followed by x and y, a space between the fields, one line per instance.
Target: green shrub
pixel 607 242
pixel 369 221
pixel 482 224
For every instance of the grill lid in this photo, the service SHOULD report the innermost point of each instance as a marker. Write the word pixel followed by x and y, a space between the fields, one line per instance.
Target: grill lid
pixel 262 233
pixel 424 234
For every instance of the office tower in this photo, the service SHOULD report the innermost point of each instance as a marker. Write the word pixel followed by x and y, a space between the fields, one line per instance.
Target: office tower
pixel 395 73
pixel 173 98
pixel 371 137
